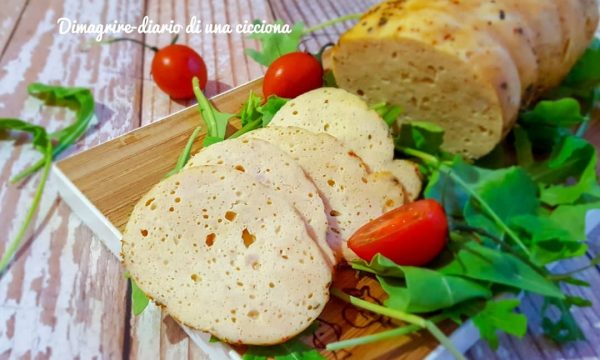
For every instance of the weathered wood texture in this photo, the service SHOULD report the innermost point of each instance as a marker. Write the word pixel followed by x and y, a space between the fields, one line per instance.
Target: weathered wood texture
pixel 64 295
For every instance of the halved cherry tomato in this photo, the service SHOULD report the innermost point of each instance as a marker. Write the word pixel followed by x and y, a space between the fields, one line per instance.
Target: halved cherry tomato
pixel 292 74
pixel 412 235
pixel 173 69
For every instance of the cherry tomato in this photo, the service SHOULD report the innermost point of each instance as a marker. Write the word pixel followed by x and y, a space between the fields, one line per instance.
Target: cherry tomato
pixel 292 74
pixel 412 235
pixel 173 69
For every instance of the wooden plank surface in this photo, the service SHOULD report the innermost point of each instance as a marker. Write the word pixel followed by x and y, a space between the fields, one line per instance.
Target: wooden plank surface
pixel 64 296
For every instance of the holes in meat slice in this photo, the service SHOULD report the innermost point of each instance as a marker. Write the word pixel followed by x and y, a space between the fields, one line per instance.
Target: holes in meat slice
pixel 331 182
pixel 335 213
pixel 240 168
pixel 210 239
pixel 248 238
pixel 253 314
pixel 195 277
pixel 144 232
pixel 149 202
pixel 230 215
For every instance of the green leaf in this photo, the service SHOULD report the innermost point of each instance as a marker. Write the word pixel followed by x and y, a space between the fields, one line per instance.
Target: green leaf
pixel 558 321
pixel 425 290
pixel 572 218
pixel 523 147
pixel 139 300
pixel 249 111
pixel 41 142
pixel 477 262
pixel 549 121
pixel 329 79
pixel 185 154
pixel 214 339
pixel 216 121
pixel 585 75
pixel 422 136
pixel 270 108
pixel 548 240
pixel 483 198
pixel 255 115
pixel 77 99
pixel 293 349
pixel 498 189
pixel 274 45
pixel 499 315
pixel 574 158
pixel 379 265
pixel 388 112
pixel 563 112
pixel 417 290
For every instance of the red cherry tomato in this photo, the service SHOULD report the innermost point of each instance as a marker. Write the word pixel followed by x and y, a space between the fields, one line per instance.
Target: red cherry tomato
pixel 173 69
pixel 411 235
pixel 292 74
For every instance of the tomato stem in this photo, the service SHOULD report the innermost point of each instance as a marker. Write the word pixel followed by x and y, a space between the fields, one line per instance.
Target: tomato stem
pixel 110 41
pixel 400 315
pixel 332 22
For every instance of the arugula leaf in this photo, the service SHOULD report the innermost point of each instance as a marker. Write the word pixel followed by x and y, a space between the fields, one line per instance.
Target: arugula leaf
pixel 549 121
pixel 419 290
pixel 483 197
pixel 139 300
pixel 499 315
pixel 478 262
pixel 585 75
pixel 379 265
pixel 274 45
pixel 563 112
pixel 78 99
pixel 216 121
pixel 255 115
pixel 293 349
pixel 249 111
pixel 388 112
pixel 426 290
pixel 185 154
pixel 421 136
pixel 270 108
pixel 498 189
pixel 572 218
pixel 548 240
pixel 573 157
pixel 329 79
pixel 41 142
pixel 523 147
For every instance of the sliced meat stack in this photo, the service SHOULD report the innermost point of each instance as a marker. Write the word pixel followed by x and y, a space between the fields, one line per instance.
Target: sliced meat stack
pixel 466 65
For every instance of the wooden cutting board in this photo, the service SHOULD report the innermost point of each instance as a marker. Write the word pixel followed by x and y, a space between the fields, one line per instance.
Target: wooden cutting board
pixel 103 184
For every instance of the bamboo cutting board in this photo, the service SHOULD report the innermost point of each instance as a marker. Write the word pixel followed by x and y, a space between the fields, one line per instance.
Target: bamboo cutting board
pixel 103 184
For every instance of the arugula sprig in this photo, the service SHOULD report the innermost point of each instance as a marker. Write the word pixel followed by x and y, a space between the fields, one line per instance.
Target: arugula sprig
pixel 78 99
pixel 49 145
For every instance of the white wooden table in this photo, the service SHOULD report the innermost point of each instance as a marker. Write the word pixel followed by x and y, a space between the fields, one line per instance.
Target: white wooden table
pixel 65 296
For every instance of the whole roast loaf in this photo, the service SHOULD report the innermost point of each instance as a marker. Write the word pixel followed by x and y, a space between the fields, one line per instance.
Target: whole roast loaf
pixel 467 65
